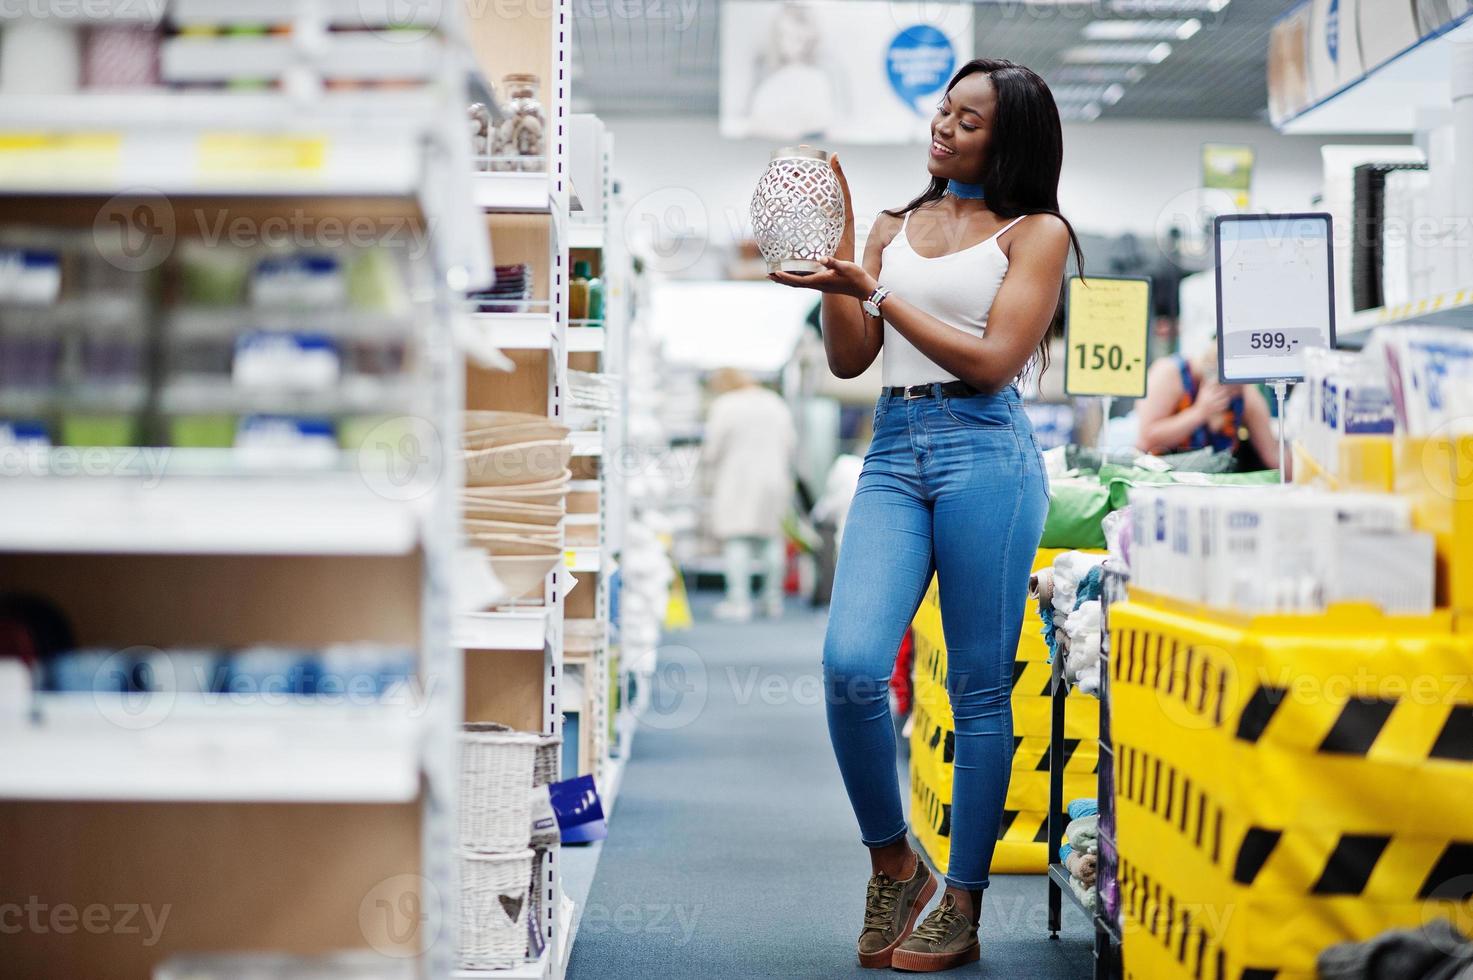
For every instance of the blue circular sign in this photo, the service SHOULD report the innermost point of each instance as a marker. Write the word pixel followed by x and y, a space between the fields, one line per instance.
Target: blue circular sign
pixel 1332 31
pixel 919 62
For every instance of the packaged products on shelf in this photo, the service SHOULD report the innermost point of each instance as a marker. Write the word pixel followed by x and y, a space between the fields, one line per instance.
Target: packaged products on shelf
pixel 519 141
pixel 1278 549
pixel 509 293
pixel 303 281
pixel 29 277
pixel 353 673
pixel 578 291
pixel 585 295
pixel 1429 372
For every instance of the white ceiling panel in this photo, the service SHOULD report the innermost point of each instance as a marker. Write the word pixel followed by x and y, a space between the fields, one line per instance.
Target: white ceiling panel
pixel 660 56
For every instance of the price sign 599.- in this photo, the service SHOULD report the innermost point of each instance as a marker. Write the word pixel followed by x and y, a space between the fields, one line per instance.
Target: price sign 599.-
pixel 1106 322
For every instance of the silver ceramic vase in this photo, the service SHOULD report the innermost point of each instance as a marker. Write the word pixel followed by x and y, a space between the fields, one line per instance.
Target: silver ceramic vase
pixel 798 210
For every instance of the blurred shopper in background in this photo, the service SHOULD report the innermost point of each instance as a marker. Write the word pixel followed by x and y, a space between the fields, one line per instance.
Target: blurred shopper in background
pixel 1186 407
pixel 748 454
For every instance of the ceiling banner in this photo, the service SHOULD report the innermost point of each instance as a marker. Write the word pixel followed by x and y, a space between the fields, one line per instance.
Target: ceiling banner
pixel 838 71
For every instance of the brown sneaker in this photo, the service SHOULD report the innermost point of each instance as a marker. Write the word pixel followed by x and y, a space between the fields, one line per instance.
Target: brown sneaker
pixel 890 911
pixel 946 939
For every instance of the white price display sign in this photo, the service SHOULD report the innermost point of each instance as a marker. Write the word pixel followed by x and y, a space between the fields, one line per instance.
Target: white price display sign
pixel 1275 294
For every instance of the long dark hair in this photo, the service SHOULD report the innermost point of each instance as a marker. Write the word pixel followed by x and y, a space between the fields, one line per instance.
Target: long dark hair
pixel 1025 157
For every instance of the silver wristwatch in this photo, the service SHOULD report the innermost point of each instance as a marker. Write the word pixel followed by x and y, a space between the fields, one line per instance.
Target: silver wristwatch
pixel 872 305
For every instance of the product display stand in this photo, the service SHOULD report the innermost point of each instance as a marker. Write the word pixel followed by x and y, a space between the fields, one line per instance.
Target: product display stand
pixel 1281 394
pixel 1107 930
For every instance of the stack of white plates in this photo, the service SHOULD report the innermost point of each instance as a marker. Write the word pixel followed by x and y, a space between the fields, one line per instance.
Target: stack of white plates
pixel 516 485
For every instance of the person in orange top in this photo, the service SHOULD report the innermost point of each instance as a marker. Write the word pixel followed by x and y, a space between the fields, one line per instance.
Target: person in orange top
pixel 1186 407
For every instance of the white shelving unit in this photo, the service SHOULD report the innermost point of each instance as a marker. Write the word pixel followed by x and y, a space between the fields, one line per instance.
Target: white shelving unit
pixel 583 234
pixel 204 748
pixel 228 554
pixel 321 514
pixel 211 552
pixel 535 331
pixel 522 193
pixel 514 629
pixel 1452 308
pixel 528 216
pixel 587 443
pixel 1386 98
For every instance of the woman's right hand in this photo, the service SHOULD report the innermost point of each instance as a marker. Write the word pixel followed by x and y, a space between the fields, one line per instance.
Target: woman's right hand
pixel 1213 399
pixel 845 251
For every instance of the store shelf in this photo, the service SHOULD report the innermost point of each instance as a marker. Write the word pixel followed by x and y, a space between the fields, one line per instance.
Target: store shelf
pixel 583 235
pixel 209 748
pixel 567 915
pixel 516 331
pixel 584 340
pixel 168 144
pixel 1060 876
pixel 534 331
pixel 129 12
pixel 589 443
pixel 311 514
pixel 1452 308
pixel 583 559
pixel 1387 98
pixel 522 629
pixel 519 192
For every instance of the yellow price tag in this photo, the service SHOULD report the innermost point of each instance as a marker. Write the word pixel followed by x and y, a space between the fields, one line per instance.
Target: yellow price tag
pixel 1106 321
pixel 44 159
pixel 570 557
pixel 254 154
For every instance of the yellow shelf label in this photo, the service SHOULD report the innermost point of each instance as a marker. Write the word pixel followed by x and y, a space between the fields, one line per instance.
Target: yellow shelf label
pixel 47 158
pixel 234 154
pixel 1105 328
pixel 570 557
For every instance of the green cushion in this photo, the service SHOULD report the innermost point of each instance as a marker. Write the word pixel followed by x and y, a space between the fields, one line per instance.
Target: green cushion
pixel 1076 508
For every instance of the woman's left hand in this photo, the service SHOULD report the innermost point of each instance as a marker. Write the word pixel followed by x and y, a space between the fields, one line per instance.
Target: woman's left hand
pixel 838 276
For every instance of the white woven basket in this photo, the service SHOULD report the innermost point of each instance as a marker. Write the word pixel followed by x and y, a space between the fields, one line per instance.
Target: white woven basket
pixel 494 905
pixel 496 787
pixel 549 763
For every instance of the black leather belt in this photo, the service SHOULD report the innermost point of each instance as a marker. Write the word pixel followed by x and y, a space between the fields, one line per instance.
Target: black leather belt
pixel 943 389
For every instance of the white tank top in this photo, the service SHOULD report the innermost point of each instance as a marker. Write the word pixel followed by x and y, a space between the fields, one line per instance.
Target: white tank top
pixel 956 288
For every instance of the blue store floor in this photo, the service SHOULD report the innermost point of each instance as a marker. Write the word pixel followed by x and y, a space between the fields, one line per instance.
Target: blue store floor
pixel 733 852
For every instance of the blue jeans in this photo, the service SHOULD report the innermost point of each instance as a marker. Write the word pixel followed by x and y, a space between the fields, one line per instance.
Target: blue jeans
pixel 953 486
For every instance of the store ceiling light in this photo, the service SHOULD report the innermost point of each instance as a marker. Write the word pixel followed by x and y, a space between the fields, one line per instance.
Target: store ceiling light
pixel 1080 112
pixel 1167 7
pixel 1097 74
pixel 1141 30
pixel 1107 94
pixel 1150 54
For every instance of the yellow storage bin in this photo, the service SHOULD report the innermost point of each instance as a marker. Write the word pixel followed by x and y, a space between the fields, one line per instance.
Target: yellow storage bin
pixel 1352 719
pixel 1022 846
pixel 1284 783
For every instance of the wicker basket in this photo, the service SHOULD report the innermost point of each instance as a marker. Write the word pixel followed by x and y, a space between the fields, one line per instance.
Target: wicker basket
pixel 548 766
pixel 494 904
pixel 495 787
